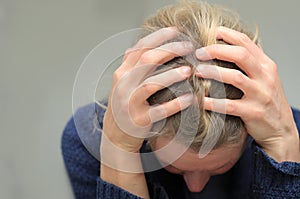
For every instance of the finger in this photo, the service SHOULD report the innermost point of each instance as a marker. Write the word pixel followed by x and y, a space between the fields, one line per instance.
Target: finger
pixel 157 38
pixel 234 37
pixel 166 52
pixel 127 52
pixel 236 54
pixel 157 113
pixel 160 81
pixel 225 75
pixel 224 106
pixel 155 57
pixel 152 40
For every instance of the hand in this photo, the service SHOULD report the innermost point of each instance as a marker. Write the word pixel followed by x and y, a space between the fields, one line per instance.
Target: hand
pixel 263 108
pixel 129 117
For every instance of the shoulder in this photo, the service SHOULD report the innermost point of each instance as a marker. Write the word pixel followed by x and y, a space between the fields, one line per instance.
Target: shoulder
pixel 83 131
pixel 82 166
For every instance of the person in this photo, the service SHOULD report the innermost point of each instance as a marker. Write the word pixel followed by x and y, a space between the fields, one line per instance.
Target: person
pixel 220 108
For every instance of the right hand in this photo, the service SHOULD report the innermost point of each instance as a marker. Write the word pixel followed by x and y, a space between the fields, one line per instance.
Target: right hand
pixel 129 117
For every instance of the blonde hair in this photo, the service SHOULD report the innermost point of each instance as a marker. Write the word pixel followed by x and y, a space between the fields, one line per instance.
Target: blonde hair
pixel 199 22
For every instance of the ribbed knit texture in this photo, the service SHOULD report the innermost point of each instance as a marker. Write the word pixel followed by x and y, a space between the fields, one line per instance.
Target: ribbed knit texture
pixel 272 179
pixel 83 169
pixel 107 190
pixel 269 178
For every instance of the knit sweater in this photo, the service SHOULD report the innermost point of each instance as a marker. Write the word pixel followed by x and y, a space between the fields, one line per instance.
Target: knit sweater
pixel 255 175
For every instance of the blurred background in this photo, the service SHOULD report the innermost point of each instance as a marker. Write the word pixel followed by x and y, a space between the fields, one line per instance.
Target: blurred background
pixel 42 45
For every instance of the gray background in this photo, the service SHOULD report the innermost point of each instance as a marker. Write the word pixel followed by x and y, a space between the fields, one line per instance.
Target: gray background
pixel 42 45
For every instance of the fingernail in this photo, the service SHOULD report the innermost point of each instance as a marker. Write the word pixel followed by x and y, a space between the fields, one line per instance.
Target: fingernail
pixel 202 54
pixel 172 28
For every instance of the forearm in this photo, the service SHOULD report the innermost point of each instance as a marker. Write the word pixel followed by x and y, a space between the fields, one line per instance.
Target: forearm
pixel 122 168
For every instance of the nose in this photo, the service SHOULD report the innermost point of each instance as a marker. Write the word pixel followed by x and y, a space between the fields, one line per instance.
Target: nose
pixel 196 181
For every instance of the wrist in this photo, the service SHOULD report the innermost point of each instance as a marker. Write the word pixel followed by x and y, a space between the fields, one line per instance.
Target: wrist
pixel 119 159
pixel 286 150
pixel 122 168
pixel 116 137
pixel 117 177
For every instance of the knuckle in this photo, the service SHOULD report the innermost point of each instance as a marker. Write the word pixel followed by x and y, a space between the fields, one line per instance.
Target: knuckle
pixel 265 98
pixel 230 107
pixel 244 38
pixel 268 99
pixel 177 104
pixel 116 76
pixel 273 67
pixel 148 88
pixel 146 58
pixel 271 83
pixel 239 78
pixel 244 54
pixel 119 74
pixel 139 120
pixel 141 42
pixel 128 51
pixel 259 113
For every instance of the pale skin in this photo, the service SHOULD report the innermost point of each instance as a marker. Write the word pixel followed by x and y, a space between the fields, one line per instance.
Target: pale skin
pixel 197 171
pixel 263 108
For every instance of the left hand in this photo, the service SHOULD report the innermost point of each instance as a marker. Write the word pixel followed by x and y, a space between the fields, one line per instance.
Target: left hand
pixel 263 108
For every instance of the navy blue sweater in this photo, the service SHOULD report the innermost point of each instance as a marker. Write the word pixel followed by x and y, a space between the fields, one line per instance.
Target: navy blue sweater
pixel 255 175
